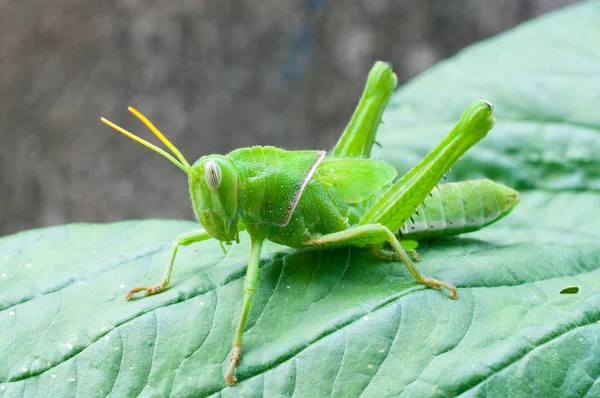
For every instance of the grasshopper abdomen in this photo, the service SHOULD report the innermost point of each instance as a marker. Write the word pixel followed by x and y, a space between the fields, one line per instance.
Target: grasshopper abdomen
pixel 460 207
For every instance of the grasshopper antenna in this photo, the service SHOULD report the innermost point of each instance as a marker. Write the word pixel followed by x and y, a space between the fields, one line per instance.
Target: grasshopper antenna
pixel 181 163
pixel 160 136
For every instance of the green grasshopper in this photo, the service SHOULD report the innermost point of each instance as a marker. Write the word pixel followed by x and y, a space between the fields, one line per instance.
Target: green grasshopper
pixel 308 199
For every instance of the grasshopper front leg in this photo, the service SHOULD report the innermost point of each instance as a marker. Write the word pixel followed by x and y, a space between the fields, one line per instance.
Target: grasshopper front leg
pixel 184 239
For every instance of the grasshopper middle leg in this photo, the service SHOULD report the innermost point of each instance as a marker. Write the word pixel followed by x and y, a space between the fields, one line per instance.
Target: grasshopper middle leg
pixel 249 289
pixel 375 235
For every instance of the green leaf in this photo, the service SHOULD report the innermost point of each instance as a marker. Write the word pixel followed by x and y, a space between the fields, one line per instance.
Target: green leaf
pixel 340 322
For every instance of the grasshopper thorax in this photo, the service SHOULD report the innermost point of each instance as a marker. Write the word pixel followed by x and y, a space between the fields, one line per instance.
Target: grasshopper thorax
pixel 213 182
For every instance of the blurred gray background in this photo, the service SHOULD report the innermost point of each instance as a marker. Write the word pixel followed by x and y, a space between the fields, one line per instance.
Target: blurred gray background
pixel 213 75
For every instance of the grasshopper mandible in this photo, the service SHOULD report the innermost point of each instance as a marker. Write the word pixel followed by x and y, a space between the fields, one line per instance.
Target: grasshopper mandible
pixel 308 199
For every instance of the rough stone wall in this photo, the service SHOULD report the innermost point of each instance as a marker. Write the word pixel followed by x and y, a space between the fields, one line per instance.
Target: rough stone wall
pixel 213 75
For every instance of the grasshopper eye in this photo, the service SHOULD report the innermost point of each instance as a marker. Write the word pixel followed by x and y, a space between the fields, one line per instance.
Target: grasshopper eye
pixel 212 174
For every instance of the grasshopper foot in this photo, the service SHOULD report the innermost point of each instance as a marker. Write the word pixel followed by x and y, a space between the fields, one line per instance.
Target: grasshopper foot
pixel 149 290
pixel 413 254
pixel 230 378
pixel 437 284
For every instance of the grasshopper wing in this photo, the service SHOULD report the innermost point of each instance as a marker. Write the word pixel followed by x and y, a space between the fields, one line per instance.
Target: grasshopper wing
pixel 354 178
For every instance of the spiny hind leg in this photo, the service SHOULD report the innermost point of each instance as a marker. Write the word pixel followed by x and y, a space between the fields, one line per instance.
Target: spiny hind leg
pixel 375 235
pixel 185 239
pixel 359 136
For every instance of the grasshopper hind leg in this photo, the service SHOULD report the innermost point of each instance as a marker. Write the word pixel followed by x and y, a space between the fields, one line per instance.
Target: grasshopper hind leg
pixel 374 235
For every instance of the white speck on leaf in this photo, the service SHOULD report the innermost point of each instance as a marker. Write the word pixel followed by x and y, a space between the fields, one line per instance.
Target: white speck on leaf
pixel 27 265
pixel 370 366
pixel 11 313
pixel 103 328
pixel 70 346
pixel 72 379
pixel 366 317
pixel 201 302
pixel 106 337
pixel 53 375
pixel 2 387
pixel 382 350
pixel 24 369
pixel 80 283
pixel 121 286
pixel 3 275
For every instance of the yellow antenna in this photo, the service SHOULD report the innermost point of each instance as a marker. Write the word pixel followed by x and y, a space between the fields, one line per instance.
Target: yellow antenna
pixel 134 137
pixel 160 136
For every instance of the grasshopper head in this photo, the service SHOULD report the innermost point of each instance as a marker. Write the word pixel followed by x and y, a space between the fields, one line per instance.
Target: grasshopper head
pixel 213 189
pixel 212 180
